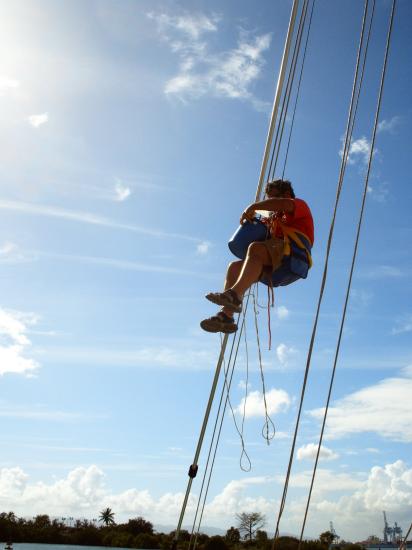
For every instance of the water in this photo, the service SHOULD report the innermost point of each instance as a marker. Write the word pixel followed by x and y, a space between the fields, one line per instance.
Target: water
pixel 30 546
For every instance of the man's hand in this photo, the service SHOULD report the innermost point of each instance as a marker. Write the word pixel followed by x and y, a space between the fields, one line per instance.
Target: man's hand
pixel 248 214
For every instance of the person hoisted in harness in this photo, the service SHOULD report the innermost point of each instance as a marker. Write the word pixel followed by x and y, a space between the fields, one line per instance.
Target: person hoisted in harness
pixel 275 251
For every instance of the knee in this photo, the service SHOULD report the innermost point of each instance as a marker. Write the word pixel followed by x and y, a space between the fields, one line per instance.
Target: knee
pixel 236 265
pixel 256 250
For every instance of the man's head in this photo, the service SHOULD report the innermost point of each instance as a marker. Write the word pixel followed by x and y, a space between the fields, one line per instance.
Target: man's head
pixel 279 188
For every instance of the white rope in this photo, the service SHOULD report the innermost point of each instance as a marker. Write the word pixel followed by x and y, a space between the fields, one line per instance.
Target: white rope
pixel 268 429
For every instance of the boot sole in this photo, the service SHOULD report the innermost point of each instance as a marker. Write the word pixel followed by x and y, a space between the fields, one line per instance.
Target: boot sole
pixel 223 302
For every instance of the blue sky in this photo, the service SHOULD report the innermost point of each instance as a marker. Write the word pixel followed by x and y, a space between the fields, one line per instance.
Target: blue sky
pixel 132 136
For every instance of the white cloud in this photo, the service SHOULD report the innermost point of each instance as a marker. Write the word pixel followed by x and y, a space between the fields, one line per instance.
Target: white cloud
pixel 10 254
pixel 84 492
pixel 387 488
pixel 326 481
pixel 358 150
pixel 360 299
pixel 310 450
pixel 284 353
pixel 282 435
pixel 403 325
pixel 38 120
pixel 87 217
pixel 12 360
pixel 383 272
pixel 12 483
pixel 379 191
pixel 7 84
pixel 182 355
pixel 80 491
pixel 228 74
pixel 39 412
pixel 276 400
pixel 383 408
pixel 203 248
pixel 282 312
pixel 191 25
pixel 127 265
pixel 14 343
pixel 389 125
pixel 233 499
pixel 121 192
pixel 242 385
pixel 7 248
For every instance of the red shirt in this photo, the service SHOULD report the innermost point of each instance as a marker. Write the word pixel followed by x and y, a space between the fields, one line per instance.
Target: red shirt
pixel 300 219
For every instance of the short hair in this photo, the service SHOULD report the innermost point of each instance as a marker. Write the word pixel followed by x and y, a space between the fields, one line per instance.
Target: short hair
pixel 284 186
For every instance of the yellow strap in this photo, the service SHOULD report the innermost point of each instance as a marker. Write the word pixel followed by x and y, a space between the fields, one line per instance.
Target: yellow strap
pixel 291 234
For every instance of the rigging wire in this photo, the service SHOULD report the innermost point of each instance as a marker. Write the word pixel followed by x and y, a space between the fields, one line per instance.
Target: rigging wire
pixel 298 90
pixel 365 191
pixel 324 277
pixel 288 89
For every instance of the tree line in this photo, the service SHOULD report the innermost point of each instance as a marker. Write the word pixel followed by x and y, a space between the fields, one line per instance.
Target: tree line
pixel 139 533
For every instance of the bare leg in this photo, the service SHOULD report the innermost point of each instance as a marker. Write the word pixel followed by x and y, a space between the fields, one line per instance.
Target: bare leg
pixel 257 258
pixel 232 275
pixel 242 274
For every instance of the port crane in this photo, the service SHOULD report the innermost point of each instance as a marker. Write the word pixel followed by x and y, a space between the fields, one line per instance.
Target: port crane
pixel 391 535
pixel 336 537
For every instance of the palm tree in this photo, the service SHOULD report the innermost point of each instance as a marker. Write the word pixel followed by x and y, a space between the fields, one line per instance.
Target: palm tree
pixel 107 516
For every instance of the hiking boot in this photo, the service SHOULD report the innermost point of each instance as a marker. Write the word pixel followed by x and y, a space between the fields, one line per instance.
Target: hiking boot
pixel 219 323
pixel 227 299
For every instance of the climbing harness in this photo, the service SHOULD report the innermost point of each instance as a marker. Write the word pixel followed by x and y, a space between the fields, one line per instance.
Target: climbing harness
pixel 297 258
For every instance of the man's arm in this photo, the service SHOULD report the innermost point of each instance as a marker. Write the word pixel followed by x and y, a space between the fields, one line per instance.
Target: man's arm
pixel 273 205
